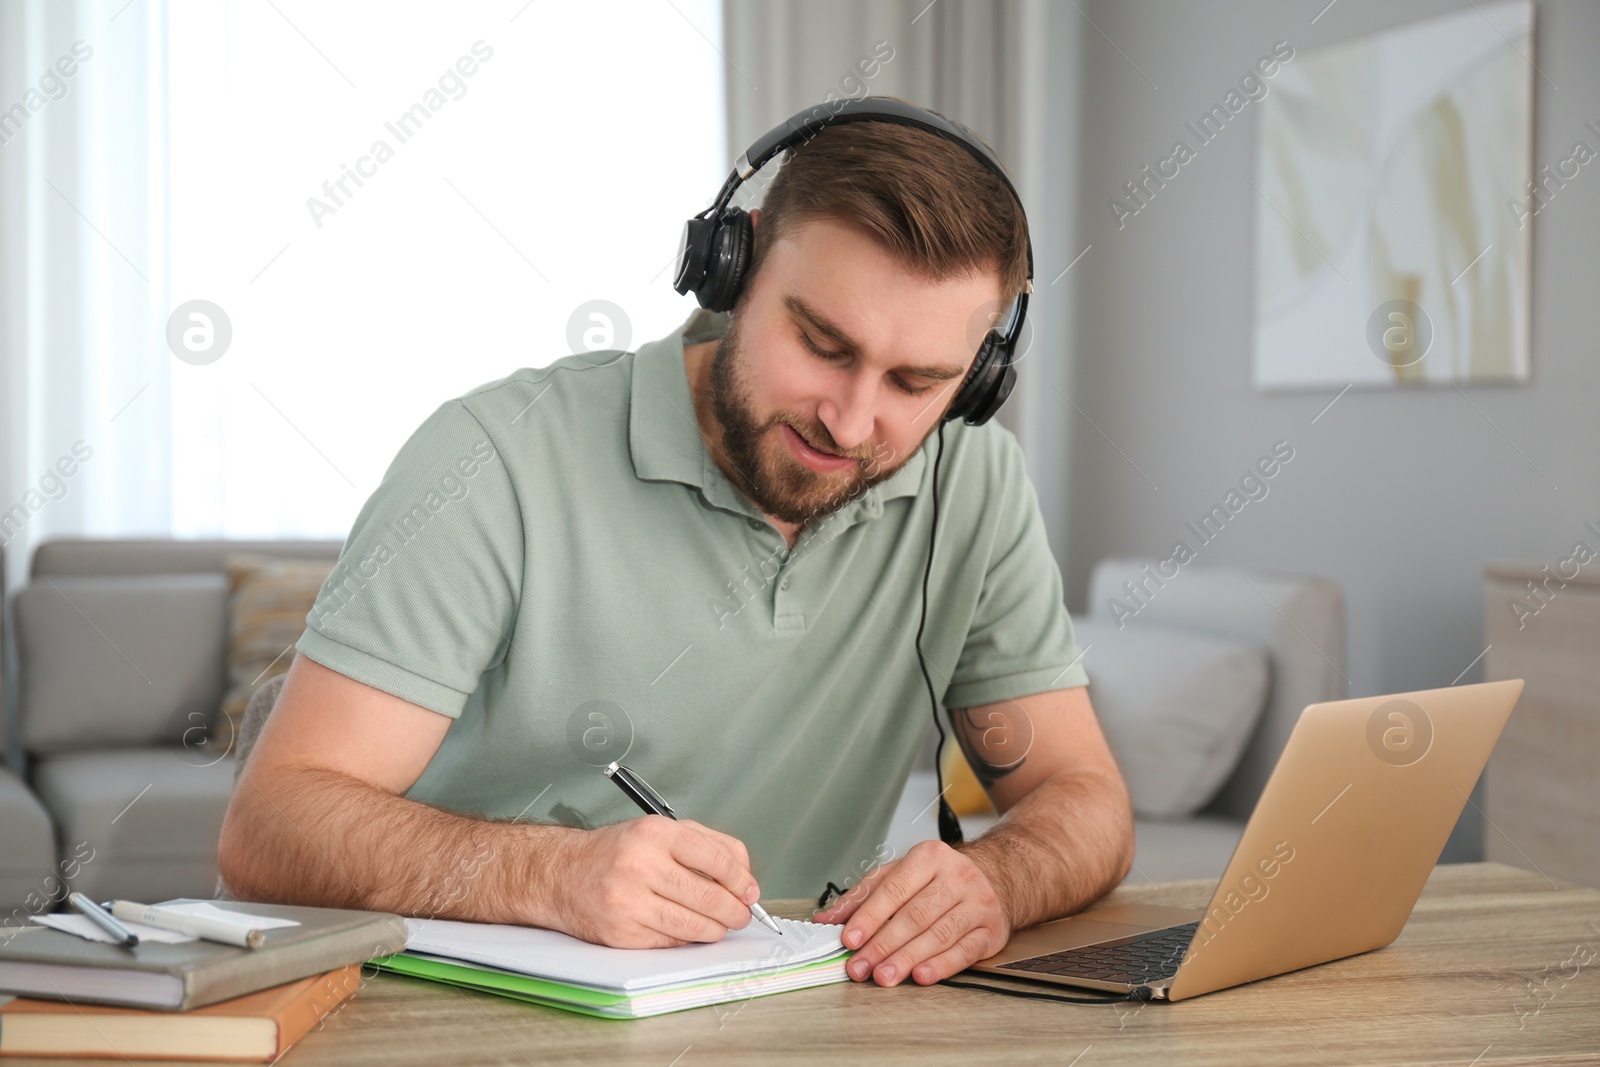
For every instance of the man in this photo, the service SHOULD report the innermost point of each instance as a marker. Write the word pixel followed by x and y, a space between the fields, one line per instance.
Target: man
pixel 707 556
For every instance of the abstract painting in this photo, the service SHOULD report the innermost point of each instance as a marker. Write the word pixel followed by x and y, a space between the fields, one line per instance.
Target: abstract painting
pixel 1395 195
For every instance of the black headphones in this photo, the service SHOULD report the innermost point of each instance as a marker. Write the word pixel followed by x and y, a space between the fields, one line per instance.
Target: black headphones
pixel 717 243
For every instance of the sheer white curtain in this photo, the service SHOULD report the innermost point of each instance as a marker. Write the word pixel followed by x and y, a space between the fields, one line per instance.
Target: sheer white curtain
pixel 84 397
pixel 396 204
pixel 535 158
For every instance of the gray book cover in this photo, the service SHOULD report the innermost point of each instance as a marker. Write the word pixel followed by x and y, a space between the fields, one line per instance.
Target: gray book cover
pixel 37 961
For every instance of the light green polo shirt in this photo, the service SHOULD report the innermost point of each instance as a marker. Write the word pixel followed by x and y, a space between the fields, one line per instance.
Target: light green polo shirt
pixel 555 562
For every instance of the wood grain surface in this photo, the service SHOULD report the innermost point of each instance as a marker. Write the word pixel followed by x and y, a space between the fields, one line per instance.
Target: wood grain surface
pixel 1487 971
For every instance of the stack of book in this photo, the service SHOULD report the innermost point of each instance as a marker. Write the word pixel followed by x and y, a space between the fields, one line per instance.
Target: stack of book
pixel 197 999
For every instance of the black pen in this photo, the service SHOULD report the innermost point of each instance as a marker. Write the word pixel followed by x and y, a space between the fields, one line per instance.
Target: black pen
pixel 101 918
pixel 654 803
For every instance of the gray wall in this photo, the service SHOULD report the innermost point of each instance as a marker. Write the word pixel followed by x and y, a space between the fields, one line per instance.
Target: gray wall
pixel 1400 496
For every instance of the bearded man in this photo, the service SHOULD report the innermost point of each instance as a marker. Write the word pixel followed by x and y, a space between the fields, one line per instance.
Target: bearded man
pixel 709 556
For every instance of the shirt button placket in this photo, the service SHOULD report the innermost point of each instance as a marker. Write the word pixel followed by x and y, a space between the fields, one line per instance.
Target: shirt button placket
pixel 788 611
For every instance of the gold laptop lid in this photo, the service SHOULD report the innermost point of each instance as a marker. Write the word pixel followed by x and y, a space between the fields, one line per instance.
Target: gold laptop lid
pixel 1346 832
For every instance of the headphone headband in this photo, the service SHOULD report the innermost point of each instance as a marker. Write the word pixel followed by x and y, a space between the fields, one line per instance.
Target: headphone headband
pixel 812 121
pixel 717 242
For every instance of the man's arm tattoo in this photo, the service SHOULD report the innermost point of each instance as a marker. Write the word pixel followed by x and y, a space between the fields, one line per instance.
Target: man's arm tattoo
pixel 995 742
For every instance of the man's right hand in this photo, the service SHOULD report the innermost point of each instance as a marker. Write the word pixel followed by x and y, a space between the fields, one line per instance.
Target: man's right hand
pixel 319 817
pixel 633 884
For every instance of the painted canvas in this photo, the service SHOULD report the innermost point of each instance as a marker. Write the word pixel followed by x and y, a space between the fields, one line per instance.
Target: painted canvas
pixel 1394 204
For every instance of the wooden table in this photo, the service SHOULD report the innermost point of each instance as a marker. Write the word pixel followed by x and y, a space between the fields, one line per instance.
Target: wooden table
pixel 1480 975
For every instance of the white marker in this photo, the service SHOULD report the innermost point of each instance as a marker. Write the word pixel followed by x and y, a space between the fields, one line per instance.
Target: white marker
pixel 198 926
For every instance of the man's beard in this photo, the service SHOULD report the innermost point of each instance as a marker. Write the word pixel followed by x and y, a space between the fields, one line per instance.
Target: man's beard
pixel 779 484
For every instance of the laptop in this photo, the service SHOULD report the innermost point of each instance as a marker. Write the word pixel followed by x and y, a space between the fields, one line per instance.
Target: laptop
pixel 1331 863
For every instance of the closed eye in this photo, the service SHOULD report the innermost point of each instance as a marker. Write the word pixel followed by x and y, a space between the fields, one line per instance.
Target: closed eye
pixel 822 353
pixel 833 357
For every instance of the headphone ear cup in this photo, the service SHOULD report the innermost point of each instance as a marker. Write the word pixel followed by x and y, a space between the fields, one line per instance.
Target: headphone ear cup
pixel 730 258
pixel 694 252
pixel 1003 378
pixel 986 385
pixel 979 382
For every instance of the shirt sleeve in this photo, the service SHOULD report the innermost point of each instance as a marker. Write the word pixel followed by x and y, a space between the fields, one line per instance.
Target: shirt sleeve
pixel 1021 640
pixel 423 598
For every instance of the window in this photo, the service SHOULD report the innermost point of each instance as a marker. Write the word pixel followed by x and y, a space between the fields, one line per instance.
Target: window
pixel 394 206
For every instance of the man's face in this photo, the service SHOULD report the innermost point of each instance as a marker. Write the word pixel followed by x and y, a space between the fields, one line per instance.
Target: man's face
pixel 837 347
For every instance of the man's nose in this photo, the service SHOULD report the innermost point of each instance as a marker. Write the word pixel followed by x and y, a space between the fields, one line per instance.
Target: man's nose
pixel 849 414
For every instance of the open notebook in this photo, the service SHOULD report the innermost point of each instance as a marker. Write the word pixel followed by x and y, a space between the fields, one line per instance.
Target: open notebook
pixel 549 967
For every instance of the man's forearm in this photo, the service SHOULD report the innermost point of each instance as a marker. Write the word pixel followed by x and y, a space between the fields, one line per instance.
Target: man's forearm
pixel 1061 847
pixel 323 838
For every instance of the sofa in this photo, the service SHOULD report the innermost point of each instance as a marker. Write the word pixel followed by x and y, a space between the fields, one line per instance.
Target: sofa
pixel 121 661
pixel 1254 646
pixel 121 649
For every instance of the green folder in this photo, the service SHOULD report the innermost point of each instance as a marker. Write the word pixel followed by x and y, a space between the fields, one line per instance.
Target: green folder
pixel 606 1004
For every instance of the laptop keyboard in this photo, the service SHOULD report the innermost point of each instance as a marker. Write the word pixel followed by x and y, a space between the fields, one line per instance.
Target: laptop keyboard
pixel 1136 960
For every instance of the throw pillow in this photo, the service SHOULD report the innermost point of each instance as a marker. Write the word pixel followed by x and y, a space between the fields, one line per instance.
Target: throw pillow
pixel 268 601
pixel 1178 708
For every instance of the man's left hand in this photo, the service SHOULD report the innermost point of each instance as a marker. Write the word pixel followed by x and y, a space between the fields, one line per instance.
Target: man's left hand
pixel 929 914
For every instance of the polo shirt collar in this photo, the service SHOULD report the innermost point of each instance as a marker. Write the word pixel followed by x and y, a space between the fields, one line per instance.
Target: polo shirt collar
pixel 664 436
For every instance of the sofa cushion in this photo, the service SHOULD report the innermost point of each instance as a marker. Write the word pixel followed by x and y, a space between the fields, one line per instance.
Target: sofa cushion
pixel 268 601
pixel 1181 850
pixel 119 661
pixel 1177 708
pixel 152 817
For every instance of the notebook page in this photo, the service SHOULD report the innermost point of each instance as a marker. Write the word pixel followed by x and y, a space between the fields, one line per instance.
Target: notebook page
pixel 661 1001
pixel 563 958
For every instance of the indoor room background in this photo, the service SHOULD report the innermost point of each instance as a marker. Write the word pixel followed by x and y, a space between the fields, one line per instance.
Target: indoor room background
pixel 224 157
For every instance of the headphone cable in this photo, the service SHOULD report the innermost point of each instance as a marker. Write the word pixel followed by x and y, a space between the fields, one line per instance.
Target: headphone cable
pixel 949 825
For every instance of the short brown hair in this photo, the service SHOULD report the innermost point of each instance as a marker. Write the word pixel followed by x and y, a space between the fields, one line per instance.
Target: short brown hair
pixel 926 199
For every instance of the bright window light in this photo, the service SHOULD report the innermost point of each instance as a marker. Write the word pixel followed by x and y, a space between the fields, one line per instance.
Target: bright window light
pixel 393 204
